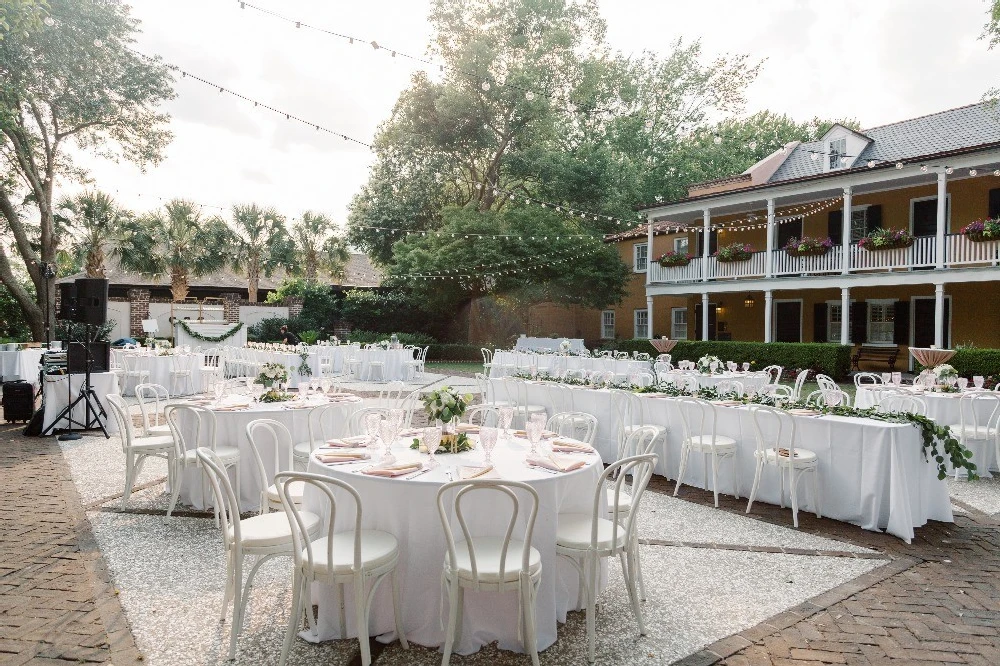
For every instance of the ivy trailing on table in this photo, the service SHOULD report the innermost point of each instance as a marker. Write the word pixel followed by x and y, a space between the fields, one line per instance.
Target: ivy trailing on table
pixel 304 370
pixel 210 338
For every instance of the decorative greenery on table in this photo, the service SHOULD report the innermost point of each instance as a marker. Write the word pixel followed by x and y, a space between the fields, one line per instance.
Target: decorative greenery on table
pixel 886 239
pixel 210 338
pixel 462 443
pixel 704 365
pixel 446 404
pixel 274 395
pixel 304 370
pixel 734 252
pixel 271 373
pixel 982 230
pixel 806 246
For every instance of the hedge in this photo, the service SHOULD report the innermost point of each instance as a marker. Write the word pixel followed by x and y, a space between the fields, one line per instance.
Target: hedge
pixel 456 352
pixel 972 361
pixel 826 358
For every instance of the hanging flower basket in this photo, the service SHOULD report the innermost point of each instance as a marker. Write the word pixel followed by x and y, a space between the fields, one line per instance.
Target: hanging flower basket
pixel 982 231
pixel 807 247
pixel 668 259
pixel 734 252
pixel 886 239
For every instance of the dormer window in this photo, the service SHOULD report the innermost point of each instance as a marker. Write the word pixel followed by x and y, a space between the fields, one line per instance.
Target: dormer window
pixel 838 153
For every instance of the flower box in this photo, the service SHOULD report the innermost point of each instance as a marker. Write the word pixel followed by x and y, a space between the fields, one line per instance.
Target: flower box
pixel 734 252
pixel 898 245
pixel 670 259
pixel 886 239
pixel 807 247
pixel 809 252
pixel 736 256
pixel 982 231
pixel 981 238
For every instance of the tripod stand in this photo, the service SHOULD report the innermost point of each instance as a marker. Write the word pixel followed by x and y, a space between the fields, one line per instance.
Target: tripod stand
pixel 93 409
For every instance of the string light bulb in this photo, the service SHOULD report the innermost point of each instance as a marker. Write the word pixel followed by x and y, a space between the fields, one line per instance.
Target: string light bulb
pixel 49 21
pixel 529 95
pixel 871 164
pixel 949 171
pixel 923 168
pixel 899 165
pixel 486 86
pixel 972 172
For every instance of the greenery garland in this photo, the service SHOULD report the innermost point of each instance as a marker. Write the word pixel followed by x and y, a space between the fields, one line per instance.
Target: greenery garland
pixel 932 434
pixel 210 338
pixel 304 370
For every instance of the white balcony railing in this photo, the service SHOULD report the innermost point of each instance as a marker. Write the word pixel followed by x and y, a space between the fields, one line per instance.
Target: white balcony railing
pixel 729 270
pixel 689 273
pixel 785 264
pixel 918 255
pixel 962 252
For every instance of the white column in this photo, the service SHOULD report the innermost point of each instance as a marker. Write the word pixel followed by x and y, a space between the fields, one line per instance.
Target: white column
pixel 845 316
pixel 845 241
pixel 706 235
pixel 704 316
pixel 649 316
pixel 939 315
pixel 768 307
pixel 769 257
pixel 942 220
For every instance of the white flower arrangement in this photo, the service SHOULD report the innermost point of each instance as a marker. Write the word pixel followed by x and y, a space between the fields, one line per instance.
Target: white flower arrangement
pixel 708 365
pixel 565 345
pixel 272 373
pixel 945 373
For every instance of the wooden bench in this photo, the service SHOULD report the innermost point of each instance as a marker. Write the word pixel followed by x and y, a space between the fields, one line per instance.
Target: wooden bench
pixel 885 355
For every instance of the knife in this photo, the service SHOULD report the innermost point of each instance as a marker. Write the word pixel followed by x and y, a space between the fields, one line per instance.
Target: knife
pixel 417 473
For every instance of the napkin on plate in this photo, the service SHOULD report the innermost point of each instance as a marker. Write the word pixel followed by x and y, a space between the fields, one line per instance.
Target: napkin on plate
pixel 553 463
pixel 394 469
pixel 571 446
pixel 340 456
pixel 488 472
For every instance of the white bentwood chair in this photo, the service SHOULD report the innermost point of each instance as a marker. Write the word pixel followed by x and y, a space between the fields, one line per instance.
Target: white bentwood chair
pixel 578 425
pixel 269 433
pixel 485 563
pixel 152 399
pixel 136 448
pixel 356 556
pixel 584 539
pixel 699 420
pixel 323 423
pixel 777 447
pixel 979 424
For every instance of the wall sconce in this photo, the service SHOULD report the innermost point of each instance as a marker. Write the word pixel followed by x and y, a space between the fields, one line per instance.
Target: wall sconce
pixel 718 307
pixel 749 302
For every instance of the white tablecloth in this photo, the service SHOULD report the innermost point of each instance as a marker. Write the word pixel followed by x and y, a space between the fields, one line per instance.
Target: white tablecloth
pixel 291 360
pixel 532 344
pixel 394 360
pixel 22 364
pixel 943 408
pixel 407 509
pixel 872 474
pixel 231 431
pixel 751 380
pixel 558 363
pixel 159 368
pixel 54 395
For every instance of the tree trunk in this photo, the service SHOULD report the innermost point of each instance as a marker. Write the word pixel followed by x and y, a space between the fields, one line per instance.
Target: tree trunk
pixel 95 262
pixel 178 284
pixel 311 260
pixel 253 280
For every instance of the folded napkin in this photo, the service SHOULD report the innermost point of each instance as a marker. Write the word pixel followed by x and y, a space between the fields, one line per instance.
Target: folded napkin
pixel 230 408
pixel 467 428
pixel 340 456
pixel 488 472
pixel 571 446
pixel 551 462
pixel 395 469
pixel 804 412
pixel 410 432
pixel 339 444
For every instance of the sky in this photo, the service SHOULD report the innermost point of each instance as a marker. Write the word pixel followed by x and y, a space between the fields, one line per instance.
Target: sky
pixel 875 61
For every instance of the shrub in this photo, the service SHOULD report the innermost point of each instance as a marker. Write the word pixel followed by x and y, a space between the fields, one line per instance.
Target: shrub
pixel 455 352
pixel 975 361
pixel 383 311
pixel 365 337
pixel 266 330
pixel 319 304
pixel 826 358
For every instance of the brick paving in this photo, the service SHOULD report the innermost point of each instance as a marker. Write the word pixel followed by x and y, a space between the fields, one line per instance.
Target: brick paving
pixel 57 605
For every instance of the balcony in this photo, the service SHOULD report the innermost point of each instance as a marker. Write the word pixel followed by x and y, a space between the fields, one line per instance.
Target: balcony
pixel 960 252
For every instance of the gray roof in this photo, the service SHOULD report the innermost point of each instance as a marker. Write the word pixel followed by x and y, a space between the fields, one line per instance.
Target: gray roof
pixel 955 129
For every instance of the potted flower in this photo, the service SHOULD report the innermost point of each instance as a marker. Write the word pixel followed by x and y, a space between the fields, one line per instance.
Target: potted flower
pixel 982 231
pixel 271 374
pixel 709 365
pixel 808 247
pixel 672 258
pixel 886 239
pixel 734 252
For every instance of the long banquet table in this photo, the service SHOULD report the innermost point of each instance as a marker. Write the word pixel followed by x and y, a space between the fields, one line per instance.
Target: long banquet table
pixel 552 363
pixel 555 344
pixel 393 360
pixel 407 509
pixel 872 473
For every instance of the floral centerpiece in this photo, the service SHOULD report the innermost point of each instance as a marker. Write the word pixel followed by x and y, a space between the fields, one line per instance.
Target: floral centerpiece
pixel 945 374
pixel 806 246
pixel 982 231
pixel 446 406
pixel 886 239
pixel 275 395
pixel 706 364
pixel 565 346
pixel 734 252
pixel 672 258
pixel 271 374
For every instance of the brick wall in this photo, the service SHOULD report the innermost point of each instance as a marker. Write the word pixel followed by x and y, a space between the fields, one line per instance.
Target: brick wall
pixel 139 310
pixel 231 307
pixel 294 304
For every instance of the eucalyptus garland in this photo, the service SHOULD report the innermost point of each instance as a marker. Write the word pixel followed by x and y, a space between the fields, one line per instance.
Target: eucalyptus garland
pixel 210 338
pixel 304 369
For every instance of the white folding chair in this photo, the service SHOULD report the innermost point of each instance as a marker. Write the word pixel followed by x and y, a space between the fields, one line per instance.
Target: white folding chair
pixel 517 397
pixel 390 394
pixel 866 379
pixel 356 557
pixel 800 380
pixel 131 371
pixel 584 539
pixel 630 414
pixel 211 370
pixel 774 430
pixel 773 373
pixel 356 422
pixel 828 398
pixel 490 563
pixel 182 374
pixel 699 421
pixel 137 448
pixel 481 415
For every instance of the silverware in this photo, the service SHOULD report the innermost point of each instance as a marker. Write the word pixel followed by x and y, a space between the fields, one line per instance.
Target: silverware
pixel 544 469
pixel 451 477
pixel 417 473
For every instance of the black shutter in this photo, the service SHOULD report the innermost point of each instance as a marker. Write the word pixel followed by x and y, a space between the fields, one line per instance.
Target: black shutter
pixel 790 229
pixel 925 217
pixel 819 322
pixel 859 323
pixel 697 317
pixel 835 226
pixel 901 323
pixel 947 324
pixel 873 218
pixel 713 242
pixel 994 210
pixel 713 316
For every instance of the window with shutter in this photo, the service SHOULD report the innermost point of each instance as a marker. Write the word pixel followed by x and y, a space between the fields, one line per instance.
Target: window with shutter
pixel 789 229
pixel 994 202
pixel 859 323
pixel 835 225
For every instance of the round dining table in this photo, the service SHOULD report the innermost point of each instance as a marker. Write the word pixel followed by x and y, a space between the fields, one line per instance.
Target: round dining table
pixel 406 507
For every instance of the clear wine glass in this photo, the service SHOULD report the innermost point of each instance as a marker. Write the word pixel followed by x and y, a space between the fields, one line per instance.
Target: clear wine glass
pixel 220 390
pixel 371 428
pixel 387 434
pixel 534 431
pixel 396 418
pixel 978 381
pixel 432 440
pixel 506 418
pixel 324 383
pixel 488 439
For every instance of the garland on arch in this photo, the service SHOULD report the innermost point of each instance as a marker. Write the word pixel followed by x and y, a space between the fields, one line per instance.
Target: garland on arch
pixel 210 338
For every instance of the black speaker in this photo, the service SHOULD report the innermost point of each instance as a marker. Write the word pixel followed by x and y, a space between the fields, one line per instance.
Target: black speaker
pixel 91 301
pixel 67 301
pixel 100 354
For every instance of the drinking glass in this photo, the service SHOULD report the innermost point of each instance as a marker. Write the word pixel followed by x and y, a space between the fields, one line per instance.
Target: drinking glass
pixel 220 390
pixel 534 431
pixel 324 384
pixel 730 366
pixel 897 378
pixel 886 377
pixel 746 367
pixel 713 366
pixel 963 383
pixel 371 428
pixel 387 434
pixel 432 440
pixel 396 418
pixel 488 439
pixel 978 381
pixel 506 418
pixel 257 390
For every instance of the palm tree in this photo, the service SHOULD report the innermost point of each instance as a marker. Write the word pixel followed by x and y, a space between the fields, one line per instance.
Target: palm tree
pixel 177 241
pixel 318 247
pixel 93 224
pixel 261 243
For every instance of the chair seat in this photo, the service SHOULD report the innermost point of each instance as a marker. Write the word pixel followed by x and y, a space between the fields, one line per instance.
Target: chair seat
pixel 803 458
pixel 153 442
pixel 703 443
pixel 297 489
pixel 272 529
pixel 574 530
pixel 304 449
pixel 629 429
pixel 228 454
pixel 972 432
pixel 180 373
pixel 488 560
pixel 535 409
pixel 209 368
pixel 377 548
pixel 159 431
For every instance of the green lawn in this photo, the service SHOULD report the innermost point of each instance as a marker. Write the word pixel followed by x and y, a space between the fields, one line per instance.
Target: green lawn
pixel 453 368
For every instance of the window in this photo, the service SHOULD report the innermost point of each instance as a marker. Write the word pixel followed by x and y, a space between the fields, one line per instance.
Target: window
pixel 608 325
pixel 881 322
pixel 838 150
pixel 681 245
pixel 833 321
pixel 679 323
pixel 640 255
pixel 859 224
pixel 641 318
